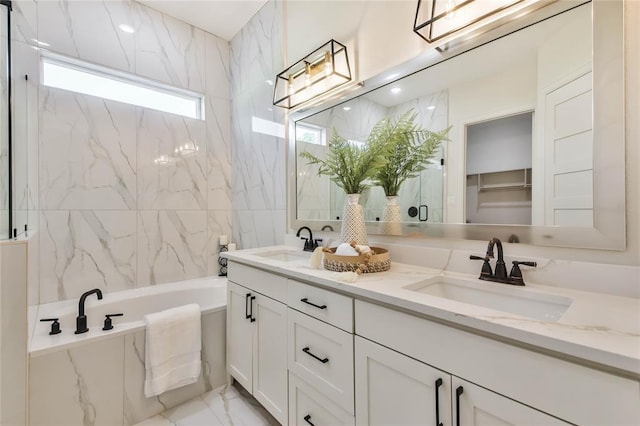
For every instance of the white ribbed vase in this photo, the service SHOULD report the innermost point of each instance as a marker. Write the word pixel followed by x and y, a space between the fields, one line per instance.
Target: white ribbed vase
pixel 353 227
pixel 391 216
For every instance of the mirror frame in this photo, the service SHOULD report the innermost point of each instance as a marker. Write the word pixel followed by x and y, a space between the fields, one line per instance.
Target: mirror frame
pixel 609 230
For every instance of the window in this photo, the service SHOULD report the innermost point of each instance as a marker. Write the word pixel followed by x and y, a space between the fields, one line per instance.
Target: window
pixel 311 134
pixel 89 79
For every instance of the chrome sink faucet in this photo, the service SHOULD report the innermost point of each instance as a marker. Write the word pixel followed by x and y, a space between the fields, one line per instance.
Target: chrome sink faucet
pixel 309 243
pixel 500 274
pixel 81 319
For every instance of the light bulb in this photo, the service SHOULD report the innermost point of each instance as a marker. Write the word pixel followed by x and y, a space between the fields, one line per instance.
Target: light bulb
pixel 307 74
pixel 328 66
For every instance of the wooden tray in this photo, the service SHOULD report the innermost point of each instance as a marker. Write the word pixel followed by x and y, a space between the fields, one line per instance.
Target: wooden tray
pixel 378 262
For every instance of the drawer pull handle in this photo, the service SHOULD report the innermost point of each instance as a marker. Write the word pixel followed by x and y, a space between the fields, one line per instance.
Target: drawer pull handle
pixel 459 391
pixel 305 300
pixel 307 419
pixel 247 315
pixel 438 384
pixel 253 318
pixel 308 352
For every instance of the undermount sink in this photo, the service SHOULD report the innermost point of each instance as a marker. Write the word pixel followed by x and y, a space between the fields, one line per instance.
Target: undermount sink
pixel 500 297
pixel 284 255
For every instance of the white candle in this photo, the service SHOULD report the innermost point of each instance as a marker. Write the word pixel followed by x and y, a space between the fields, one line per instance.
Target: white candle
pixel 224 240
pixel 232 247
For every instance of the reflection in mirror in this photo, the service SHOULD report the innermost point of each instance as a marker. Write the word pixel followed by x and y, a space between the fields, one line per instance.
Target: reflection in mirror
pixel 528 96
pixel 496 83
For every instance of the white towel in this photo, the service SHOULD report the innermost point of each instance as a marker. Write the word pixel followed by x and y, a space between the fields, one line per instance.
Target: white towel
pixel 172 349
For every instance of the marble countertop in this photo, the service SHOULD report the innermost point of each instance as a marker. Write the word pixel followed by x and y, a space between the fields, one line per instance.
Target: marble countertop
pixel 595 329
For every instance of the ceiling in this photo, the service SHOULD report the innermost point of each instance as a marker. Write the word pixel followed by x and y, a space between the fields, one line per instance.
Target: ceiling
pixel 223 18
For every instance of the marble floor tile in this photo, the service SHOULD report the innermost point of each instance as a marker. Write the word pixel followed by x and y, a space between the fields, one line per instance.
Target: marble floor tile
pixel 222 406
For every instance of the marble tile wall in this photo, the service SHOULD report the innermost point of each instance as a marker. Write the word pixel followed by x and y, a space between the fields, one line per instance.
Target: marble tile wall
pixel 259 160
pixel 101 212
pixel 103 383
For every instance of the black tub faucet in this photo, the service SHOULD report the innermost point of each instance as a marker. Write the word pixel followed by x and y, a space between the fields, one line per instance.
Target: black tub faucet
pixel 309 243
pixel 81 319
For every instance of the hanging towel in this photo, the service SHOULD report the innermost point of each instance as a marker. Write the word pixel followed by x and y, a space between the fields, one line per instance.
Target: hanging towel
pixel 172 349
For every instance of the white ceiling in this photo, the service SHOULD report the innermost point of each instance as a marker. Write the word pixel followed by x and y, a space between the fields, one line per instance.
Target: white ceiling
pixel 223 18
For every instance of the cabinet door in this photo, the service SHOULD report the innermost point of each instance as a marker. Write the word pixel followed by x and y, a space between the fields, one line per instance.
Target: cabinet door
pixel 393 389
pixel 239 334
pixel 270 356
pixel 477 406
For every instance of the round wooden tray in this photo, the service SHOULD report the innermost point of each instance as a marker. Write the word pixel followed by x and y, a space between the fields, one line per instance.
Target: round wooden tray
pixel 379 262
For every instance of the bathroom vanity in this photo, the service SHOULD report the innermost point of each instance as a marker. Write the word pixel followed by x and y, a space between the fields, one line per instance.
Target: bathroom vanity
pixel 416 345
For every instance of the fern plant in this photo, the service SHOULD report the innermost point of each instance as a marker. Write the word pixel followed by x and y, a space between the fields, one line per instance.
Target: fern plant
pixel 409 148
pixel 350 165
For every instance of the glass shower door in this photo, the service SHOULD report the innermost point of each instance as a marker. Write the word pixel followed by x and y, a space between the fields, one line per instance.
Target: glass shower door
pixel 5 128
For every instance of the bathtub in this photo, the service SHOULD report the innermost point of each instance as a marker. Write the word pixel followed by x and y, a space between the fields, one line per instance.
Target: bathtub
pixel 209 293
pixel 99 375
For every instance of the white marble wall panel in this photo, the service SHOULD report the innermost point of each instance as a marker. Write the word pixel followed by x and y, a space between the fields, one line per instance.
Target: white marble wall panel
pixel 256 51
pixel 89 30
pixel 218 153
pixel 180 183
pixel 81 250
pixel 137 407
pixel 25 125
pixel 169 50
pixel 259 172
pixel 88 152
pixel 172 246
pixel 24 21
pixel 219 223
pixel 218 75
pixel 80 386
pixel 259 228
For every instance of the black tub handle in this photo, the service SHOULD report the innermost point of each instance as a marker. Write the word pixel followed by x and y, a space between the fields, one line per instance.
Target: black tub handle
pixel 305 300
pixel 308 352
pixel 307 419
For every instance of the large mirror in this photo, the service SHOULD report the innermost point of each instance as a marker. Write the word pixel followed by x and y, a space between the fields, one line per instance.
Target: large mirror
pixel 535 151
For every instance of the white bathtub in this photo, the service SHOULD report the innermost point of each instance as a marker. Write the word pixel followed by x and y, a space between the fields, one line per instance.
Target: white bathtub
pixel 209 293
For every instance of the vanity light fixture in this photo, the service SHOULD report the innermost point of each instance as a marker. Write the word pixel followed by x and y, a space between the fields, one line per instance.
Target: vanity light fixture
pixel 318 73
pixel 436 19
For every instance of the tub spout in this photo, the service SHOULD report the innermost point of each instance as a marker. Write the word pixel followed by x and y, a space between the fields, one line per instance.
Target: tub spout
pixel 81 319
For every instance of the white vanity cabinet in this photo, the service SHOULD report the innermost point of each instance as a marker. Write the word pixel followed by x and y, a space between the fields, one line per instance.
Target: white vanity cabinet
pixel 257 336
pixel 502 383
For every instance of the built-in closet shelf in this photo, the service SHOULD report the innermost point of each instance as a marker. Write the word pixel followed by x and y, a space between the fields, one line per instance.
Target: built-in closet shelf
pixel 510 179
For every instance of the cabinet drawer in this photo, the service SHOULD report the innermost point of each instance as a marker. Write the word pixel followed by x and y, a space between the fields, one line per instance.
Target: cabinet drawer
pixel 308 406
pixel 263 282
pixel 325 305
pixel 322 355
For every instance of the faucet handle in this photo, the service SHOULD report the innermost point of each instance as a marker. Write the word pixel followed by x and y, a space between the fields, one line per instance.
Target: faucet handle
pixel 486 266
pixel 516 274
pixel 315 243
pixel 108 325
pixel 55 325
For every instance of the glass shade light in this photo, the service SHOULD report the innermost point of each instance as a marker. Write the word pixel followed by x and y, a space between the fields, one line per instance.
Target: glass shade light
pixel 436 19
pixel 318 73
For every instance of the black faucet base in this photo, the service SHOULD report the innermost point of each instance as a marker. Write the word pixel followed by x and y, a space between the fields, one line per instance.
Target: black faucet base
pixel 503 280
pixel 81 324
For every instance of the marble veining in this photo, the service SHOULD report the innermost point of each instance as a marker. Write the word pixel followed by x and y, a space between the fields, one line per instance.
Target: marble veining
pixel 258 183
pixel 70 28
pixel 226 406
pixel 168 50
pixel 88 152
pixel 172 246
pixel 80 247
